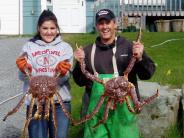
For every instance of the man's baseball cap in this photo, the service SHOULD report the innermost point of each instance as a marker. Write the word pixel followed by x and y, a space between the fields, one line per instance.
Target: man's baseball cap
pixel 104 14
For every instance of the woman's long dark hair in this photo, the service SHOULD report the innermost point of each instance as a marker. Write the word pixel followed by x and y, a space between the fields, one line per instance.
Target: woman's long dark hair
pixel 46 15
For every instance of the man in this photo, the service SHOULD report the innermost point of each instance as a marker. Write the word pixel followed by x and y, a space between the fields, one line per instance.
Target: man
pixel 99 60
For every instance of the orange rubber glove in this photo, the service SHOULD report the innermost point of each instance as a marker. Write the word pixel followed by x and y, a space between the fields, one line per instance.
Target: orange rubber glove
pixel 22 64
pixel 63 67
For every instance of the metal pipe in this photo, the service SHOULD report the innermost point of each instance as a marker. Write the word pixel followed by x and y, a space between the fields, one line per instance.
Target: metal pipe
pixel 165 5
pixel 175 6
pixel 0 24
pixel 142 6
pixel 122 13
pixel 179 5
pixel 114 7
pixel 19 19
pixel 170 5
pixel 11 98
pixel 138 6
pixel 122 8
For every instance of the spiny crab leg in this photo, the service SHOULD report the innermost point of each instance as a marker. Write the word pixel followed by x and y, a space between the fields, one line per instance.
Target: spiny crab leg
pixel 106 113
pixel 14 110
pixel 29 117
pixel 149 99
pixel 95 110
pixel 38 114
pixel 133 59
pixel 87 74
pixel 64 109
pixel 128 105
pixel 26 126
pixel 47 108
pixel 130 66
pixel 54 115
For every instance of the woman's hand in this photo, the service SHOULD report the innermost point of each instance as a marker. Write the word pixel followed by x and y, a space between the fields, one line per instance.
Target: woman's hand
pixel 22 64
pixel 63 67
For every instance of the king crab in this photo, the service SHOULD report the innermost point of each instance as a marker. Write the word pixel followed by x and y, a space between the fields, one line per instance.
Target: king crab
pixel 42 90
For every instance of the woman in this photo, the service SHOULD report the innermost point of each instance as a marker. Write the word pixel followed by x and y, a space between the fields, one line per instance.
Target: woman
pixel 47 54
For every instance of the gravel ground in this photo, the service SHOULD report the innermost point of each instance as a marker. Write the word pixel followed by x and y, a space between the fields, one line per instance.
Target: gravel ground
pixel 10 85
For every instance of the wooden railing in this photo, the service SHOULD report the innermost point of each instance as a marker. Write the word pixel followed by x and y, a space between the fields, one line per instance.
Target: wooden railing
pixel 153 7
pixel 143 7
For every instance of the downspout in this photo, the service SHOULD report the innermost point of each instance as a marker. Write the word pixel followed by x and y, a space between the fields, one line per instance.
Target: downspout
pixel 0 24
pixel 19 19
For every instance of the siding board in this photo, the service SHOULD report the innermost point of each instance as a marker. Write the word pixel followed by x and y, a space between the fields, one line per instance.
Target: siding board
pixel 89 16
pixel 31 12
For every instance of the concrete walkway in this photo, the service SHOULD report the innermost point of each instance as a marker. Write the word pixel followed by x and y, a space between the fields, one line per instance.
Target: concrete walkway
pixel 10 85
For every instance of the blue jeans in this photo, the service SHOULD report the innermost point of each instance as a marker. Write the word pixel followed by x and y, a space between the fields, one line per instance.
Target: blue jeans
pixel 40 128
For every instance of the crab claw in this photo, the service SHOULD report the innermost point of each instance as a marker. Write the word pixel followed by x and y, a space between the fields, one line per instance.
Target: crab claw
pixel 138 107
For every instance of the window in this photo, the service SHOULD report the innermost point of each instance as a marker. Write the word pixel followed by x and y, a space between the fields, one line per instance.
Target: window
pixel 49 2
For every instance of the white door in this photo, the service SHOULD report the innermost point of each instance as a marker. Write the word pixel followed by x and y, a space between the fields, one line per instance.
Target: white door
pixel 9 17
pixel 71 15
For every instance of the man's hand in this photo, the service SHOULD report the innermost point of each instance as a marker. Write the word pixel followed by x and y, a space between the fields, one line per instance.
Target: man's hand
pixel 137 50
pixel 22 64
pixel 63 67
pixel 79 54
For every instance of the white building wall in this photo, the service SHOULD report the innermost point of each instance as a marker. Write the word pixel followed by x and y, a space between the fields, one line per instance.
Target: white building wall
pixel 43 5
pixel 10 20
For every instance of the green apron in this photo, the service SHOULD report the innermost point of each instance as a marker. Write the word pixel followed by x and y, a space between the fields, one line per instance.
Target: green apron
pixel 120 123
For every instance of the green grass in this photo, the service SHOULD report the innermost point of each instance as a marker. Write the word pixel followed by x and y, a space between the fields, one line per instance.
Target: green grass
pixel 168 57
pixel 77 93
pixel 173 132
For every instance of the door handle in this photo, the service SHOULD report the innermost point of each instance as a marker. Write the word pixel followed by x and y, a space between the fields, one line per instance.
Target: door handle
pixel 82 3
pixel 32 12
